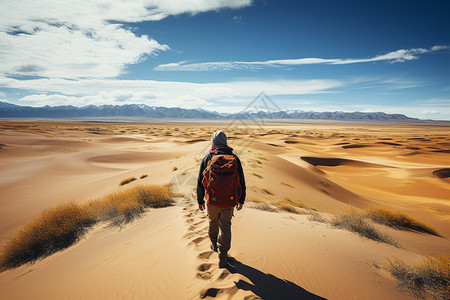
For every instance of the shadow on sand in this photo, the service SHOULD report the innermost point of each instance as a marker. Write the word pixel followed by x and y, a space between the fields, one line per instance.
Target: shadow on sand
pixel 265 285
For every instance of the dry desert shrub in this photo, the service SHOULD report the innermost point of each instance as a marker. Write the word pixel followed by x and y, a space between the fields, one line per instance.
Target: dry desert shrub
pixel 55 229
pixel 265 206
pixel 286 206
pixel 298 204
pixel 128 180
pixel 290 206
pixel 261 204
pixel 317 217
pixel 123 206
pixel 430 278
pixel 60 227
pixel 356 222
pixel 399 220
pixel 144 176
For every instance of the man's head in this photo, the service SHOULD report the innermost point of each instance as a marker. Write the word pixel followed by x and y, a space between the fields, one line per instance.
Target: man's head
pixel 219 138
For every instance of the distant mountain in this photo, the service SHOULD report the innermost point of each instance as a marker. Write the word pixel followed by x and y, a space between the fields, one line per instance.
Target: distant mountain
pixel 8 110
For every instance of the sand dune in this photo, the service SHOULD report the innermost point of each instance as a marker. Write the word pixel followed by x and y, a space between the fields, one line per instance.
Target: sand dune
pixel 275 255
pixel 331 162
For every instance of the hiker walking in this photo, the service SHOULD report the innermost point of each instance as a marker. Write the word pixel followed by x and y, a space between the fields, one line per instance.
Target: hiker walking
pixel 221 181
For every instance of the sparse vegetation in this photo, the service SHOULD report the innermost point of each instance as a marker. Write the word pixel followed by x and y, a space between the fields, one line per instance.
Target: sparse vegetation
pixel 55 229
pixel 267 192
pixel 357 223
pixel 60 227
pixel 323 190
pixel 261 157
pixel 399 220
pixel 174 168
pixel 265 206
pixel 430 278
pixel 317 217
pixel 257 175
pixel 298 204
pixel 287 184
pixel 128 180
pixel 286 206
pixel 262 204
pixel 143 176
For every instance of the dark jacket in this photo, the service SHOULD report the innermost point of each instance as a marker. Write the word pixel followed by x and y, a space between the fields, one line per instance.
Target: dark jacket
pixel 204 164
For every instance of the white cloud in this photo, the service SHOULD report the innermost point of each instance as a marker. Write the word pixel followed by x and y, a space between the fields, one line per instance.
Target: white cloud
pixel 222 97
pixel 401 55
pixel 80 39
pixel 215 96
pixel 437 101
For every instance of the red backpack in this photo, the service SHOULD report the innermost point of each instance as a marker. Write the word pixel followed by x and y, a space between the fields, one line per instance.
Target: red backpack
pixel 221 181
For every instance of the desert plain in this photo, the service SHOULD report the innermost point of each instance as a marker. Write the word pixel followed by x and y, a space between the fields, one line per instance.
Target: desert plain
pixel 321 168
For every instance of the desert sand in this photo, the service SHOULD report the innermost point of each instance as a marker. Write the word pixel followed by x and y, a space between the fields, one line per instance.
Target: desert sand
pixel 332 167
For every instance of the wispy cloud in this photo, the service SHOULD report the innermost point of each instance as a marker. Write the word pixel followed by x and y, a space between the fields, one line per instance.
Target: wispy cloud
pixel 84 39
pixel 401 55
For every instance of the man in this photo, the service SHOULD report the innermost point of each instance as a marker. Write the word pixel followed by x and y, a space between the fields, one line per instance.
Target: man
pixel 222 175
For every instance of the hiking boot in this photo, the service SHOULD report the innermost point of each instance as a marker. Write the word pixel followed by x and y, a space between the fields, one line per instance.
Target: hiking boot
pixel 214 247
pixel 223 261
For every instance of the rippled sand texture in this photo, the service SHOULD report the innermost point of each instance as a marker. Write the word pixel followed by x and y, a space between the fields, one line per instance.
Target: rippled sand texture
pixel 165 254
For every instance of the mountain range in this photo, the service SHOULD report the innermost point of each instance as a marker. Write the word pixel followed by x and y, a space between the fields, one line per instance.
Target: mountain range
pixel 8 110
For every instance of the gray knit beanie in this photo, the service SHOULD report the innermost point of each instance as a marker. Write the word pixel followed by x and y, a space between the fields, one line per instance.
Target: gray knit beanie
pixel 219 138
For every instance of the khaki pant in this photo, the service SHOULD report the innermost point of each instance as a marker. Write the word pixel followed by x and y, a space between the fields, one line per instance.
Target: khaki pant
pixel 220 218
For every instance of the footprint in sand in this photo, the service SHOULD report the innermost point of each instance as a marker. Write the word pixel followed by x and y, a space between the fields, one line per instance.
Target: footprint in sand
pixel 204 275
pixel 204 267
pixel 205 255
pixel 197 241
pixel 190 235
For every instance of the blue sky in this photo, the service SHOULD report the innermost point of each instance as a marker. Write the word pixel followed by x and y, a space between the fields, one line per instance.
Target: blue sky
pixel 322 55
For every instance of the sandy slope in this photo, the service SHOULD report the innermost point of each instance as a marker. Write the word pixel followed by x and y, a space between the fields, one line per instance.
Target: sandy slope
pixel 165 254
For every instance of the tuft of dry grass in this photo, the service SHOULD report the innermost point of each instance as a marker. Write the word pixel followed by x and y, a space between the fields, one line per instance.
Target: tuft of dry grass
pixel 60 227
pixel 123 206
pixel 55 229
pixel 286 206
pixel 287 184
pixel 257 175
pixel 265 206
pixel 356 222
pixel 144 176
pixel 431 277
pixel 174 168
pixel 399 220
pixel 128 180
pixel 262 205
pixel 290 206
pixel 299 204
pixel 317 217
pixel 267 192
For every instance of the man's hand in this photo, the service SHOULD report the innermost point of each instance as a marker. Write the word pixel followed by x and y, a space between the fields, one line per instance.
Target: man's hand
pixel 201 207
pixel 239 206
